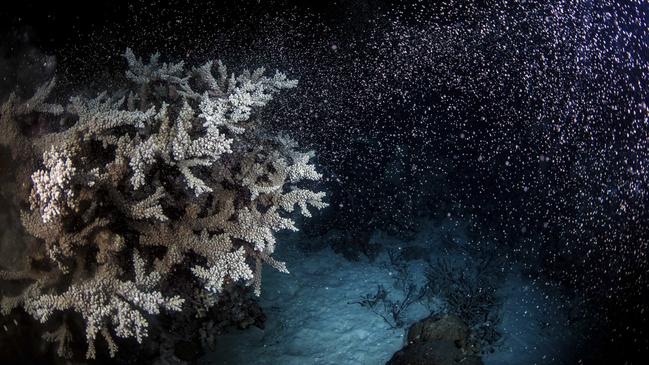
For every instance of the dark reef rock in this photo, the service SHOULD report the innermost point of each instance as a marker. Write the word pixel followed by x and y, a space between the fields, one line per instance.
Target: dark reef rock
pixel 449 328
pixel 433 353
pixel 437 341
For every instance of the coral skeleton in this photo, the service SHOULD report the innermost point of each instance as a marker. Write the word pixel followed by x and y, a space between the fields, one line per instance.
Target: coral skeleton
pixel 130 188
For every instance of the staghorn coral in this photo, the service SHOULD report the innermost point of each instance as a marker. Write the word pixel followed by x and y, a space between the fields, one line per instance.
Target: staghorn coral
pixel 149 198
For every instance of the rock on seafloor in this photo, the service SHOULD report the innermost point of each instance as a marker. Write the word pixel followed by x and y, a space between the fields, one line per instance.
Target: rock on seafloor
pixel 437 341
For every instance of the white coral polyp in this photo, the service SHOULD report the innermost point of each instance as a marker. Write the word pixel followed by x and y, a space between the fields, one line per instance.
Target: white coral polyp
pixel 230 265
pixel 53 186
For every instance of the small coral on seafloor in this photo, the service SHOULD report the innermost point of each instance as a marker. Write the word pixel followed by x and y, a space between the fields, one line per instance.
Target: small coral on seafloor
pixel 151 197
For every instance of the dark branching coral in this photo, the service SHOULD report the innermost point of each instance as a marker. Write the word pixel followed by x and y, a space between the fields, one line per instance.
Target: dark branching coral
pixel 390 310
pixel 149 199
pixel 469 291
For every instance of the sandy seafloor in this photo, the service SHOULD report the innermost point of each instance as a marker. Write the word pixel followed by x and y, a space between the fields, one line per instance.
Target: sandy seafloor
pixel 312 318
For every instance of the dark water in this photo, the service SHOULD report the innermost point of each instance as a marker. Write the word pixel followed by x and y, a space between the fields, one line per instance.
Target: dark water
pixel 506 140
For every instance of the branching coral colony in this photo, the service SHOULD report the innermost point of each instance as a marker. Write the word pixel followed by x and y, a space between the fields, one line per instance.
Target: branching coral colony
pixel 174 174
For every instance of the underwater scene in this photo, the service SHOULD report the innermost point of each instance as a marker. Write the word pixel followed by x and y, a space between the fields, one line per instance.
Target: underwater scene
pixel 344 182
